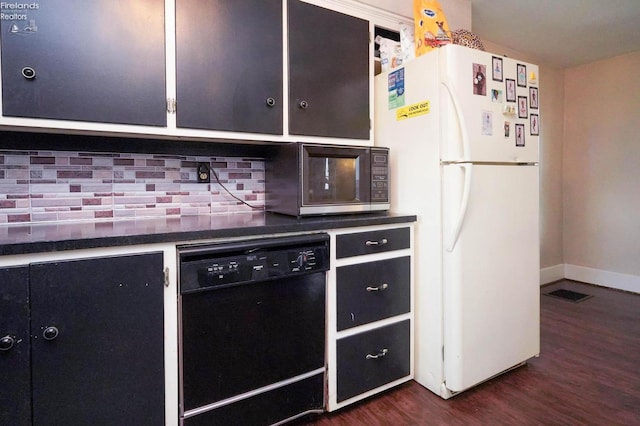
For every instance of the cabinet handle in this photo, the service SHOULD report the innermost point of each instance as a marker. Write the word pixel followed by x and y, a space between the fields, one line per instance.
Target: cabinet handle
pixel 378 288
pixel 6 343
pixel 50 333
pixel 377 243
pixel 303 104
pixel 271 102
pixel 28 73
pixel 380 354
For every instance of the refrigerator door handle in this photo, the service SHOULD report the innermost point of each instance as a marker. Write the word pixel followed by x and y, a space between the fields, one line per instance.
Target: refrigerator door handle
pixel 466 149
pixel 467 167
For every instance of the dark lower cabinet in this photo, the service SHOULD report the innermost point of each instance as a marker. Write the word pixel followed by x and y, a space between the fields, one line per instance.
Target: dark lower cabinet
pixel 95 340
pixel 97 61
pixel 373 313
pixel 15 350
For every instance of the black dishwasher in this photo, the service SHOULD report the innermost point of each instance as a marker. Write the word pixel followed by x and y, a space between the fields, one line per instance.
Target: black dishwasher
pixel 252 330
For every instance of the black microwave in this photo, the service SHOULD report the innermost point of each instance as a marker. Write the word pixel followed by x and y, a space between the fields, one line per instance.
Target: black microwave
pixel 311 179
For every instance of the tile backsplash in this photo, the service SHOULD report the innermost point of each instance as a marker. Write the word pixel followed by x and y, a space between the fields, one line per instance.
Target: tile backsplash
pixel 47 186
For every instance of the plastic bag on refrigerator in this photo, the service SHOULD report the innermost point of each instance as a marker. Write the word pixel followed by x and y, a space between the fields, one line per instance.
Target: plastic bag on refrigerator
pixel 390 53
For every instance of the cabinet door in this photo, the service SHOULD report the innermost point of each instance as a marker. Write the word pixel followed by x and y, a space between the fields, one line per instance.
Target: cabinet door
pixel 229 65
pixel 81 60
pixel 97 341
pixel 328 73
pixel 15 389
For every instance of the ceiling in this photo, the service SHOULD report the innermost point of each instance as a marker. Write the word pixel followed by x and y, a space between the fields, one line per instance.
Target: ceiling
pixel 561 33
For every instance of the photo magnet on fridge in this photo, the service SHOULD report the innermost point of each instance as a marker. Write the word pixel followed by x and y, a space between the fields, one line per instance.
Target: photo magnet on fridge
pixel 487 123
pixel 496 69
pixel 533 97
pixel 519 134
pixel 522 75
pixel 510 86
pixel 534 121
pixel 523 112
pixel 480 79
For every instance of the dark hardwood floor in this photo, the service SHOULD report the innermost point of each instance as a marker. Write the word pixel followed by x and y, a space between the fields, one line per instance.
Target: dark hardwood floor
pixel 588 373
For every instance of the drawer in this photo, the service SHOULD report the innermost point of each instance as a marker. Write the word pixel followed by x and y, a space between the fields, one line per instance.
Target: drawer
pixel 371 291
pixel 372 359
pixel 360 243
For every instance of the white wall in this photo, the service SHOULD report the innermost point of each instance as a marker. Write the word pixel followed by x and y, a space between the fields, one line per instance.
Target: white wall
pixel 602 173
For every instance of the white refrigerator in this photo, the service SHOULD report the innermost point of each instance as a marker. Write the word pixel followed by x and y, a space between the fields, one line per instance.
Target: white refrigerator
pixel 463 127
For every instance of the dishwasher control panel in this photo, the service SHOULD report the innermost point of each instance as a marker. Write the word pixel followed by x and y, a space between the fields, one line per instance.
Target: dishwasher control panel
pixel 213 266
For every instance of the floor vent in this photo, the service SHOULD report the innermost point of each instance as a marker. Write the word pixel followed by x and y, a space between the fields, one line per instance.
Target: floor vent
pixel 572 296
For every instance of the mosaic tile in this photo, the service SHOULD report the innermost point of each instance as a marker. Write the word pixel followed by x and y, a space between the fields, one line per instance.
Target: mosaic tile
pixel 51 186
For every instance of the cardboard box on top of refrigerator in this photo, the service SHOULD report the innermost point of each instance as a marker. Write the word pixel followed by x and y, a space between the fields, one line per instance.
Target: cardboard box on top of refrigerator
pixel 431 27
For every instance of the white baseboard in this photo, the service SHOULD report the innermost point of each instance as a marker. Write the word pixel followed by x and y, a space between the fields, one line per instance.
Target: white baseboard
pixel 551 274
pixel 602 278
pixel 583 274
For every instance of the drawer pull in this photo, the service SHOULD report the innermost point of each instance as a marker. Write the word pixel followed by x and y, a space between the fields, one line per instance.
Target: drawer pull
pixel 380 354
pixel 379 288
pixel 377 243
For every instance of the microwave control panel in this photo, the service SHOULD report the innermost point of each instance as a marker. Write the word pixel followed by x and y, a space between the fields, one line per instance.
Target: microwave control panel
pixel 379 175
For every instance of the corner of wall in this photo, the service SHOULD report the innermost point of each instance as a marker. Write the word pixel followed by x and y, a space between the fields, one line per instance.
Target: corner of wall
pixel 551 274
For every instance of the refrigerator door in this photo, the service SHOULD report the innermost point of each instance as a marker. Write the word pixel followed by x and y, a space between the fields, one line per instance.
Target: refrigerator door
pixel 475 126
pixel 491 272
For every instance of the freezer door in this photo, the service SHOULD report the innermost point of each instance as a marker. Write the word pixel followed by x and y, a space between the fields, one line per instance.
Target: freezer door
pixel 491 272
pixel 475 126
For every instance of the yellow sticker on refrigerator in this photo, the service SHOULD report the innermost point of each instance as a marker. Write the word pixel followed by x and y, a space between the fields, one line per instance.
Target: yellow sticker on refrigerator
pixel 413 110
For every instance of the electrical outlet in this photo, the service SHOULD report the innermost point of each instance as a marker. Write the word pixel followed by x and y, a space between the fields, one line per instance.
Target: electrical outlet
pixel 204 173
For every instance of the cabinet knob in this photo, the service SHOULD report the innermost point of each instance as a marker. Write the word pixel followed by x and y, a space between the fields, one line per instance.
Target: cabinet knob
pixel 271 102
pixel 6 343
pixel 303 104
pixel 50 333
pixel 28 73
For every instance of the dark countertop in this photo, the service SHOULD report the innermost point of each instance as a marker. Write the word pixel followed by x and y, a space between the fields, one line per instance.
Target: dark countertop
pixel 51 237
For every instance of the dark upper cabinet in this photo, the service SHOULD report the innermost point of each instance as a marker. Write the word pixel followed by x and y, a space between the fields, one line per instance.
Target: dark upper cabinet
pixel 106 62
pixel 328 73
pixel 97 61
pixel 89 342
pixel 229 68
pixel 229 65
